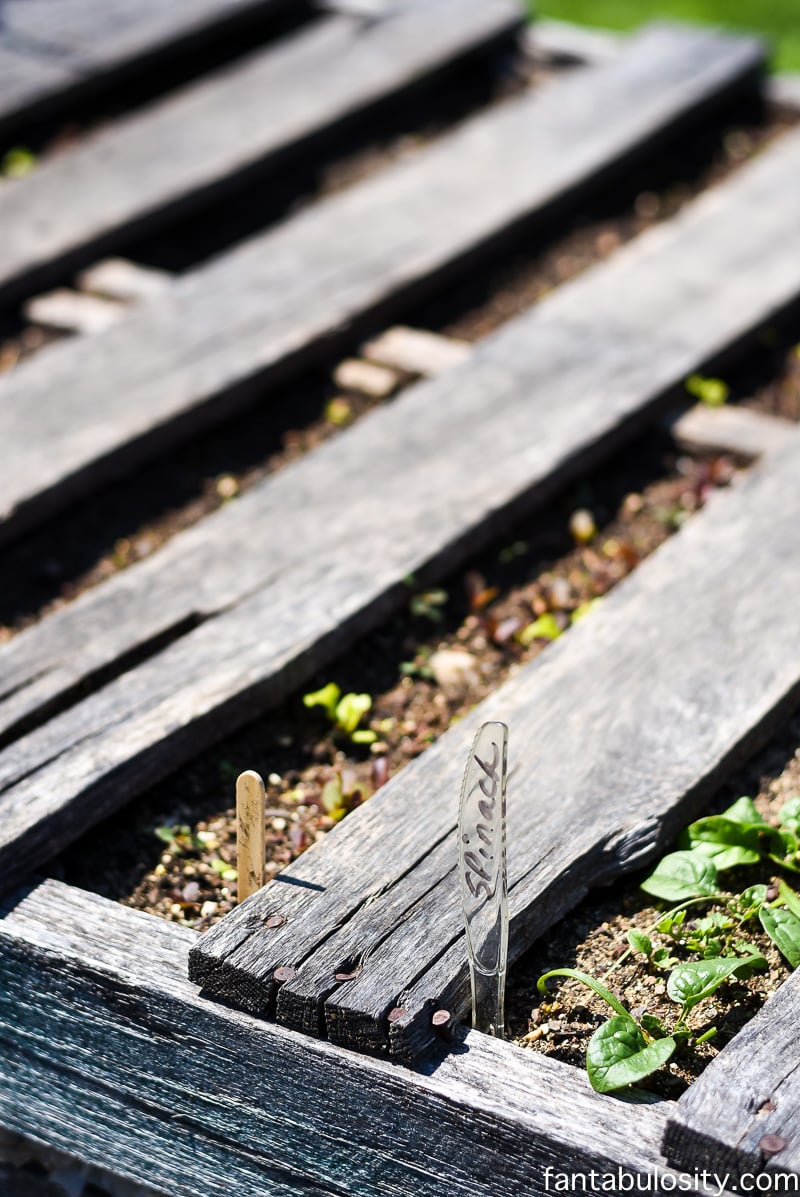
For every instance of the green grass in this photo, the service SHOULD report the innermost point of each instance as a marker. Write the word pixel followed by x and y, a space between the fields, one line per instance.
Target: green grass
pixel 778 20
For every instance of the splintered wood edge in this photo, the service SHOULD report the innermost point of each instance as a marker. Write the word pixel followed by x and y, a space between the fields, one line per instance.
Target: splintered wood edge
pixel 80 970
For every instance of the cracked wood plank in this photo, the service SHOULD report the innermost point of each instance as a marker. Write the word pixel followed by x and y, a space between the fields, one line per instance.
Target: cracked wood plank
pixel 199 142
pixel 107 1052
pixel 675 676
pixel 279 581
pixel 742 1115
pixel 226 331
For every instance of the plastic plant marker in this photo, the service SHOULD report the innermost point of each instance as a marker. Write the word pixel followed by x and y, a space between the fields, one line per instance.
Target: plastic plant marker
pixel 483 876
pixel 251 802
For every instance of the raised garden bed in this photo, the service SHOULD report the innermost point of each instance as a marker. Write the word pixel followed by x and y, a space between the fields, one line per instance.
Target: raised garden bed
pixel 477 515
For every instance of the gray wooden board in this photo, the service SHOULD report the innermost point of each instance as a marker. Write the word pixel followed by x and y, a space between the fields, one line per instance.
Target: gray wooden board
pixel 106 1051
pixel 283 578
pixel 184 149
pixel 746 1098
pixel 51 48
pixel 224 331
pixel 617 732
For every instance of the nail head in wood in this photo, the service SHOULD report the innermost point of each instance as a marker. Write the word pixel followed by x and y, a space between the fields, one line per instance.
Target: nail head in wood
pixel 771 1144
pixel 396 1014
pixel 284 973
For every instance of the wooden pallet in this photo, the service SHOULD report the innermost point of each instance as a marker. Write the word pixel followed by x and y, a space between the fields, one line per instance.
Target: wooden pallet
pixel 107 1048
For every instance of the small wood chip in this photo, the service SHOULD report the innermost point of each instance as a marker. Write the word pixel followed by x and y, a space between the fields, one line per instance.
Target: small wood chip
pixel 72 311
pixel 366 378
pixel 416 351
pixel 127 282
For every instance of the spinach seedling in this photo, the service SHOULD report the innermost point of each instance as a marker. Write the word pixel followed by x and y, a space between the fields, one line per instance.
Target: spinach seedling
pixel 345 711
pixel 625 1050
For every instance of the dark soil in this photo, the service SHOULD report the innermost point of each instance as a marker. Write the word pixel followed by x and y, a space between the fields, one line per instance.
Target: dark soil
pixel 478 614
pixel 593 938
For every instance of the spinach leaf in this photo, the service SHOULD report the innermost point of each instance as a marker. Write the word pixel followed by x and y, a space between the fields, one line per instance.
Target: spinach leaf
pixel 783 928
pixel 619 1054
pixel 694 980
pixel 680 876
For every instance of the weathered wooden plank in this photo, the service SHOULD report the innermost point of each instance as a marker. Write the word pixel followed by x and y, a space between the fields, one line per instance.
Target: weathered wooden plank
pixel 108 1052
pixel 668 695
pixel 741 430
pixel 743 1114
pixel 199 142
pixel 52 49
pixel 282 579
pixel 228 329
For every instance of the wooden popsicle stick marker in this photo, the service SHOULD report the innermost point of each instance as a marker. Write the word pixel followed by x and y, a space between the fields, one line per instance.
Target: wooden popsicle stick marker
pixel 251 801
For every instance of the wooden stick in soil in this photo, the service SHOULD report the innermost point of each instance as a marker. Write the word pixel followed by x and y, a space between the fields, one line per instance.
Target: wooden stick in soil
pixel 251 801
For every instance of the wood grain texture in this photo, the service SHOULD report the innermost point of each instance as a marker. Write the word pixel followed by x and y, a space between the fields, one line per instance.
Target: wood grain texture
pixel 281 580
pixel 199 142
pixel 743 431
pixel 108 1052
pixel 228 330
pixel 743 1114
pixel 250 851
pixel 673 677
pixel 51 50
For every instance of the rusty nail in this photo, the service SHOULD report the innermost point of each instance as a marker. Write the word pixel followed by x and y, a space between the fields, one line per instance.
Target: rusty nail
pixel 397 1013
pixel 442 1024
pixel 284 973
pixel 771 1144
pixel 275 920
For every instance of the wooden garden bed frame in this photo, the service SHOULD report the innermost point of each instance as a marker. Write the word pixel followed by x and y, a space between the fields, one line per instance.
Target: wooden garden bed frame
pixel 109 1053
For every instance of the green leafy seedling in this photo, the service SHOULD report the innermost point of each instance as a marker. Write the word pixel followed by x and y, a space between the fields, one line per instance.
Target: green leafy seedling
pixel 640 943
pixel 18 162
pixel 620 1054
pixel 695 980
pixel 344 710
pixel 546 627
pixel 712 391
pixel 783 928
pixel 428 605
pixel 682 875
